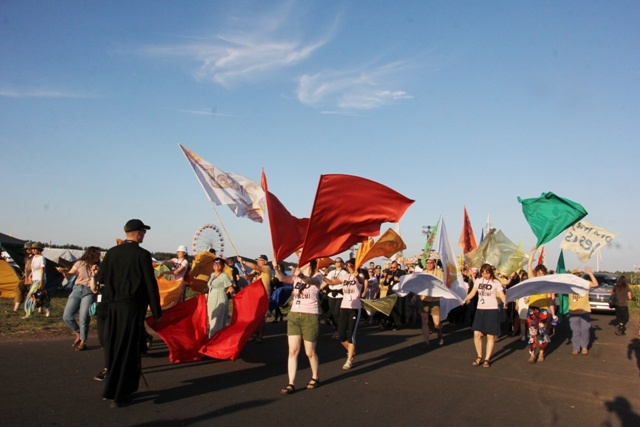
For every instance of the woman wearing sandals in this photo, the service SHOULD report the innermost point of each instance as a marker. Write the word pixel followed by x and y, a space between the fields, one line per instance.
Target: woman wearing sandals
pixel 487 319
pixel 302 321
pixel 81 296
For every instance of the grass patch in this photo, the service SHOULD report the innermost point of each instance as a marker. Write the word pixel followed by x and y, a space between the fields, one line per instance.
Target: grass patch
pixel 38 326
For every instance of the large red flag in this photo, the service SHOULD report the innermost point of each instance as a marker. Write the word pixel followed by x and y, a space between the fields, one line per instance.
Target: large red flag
pixel 287 231
pixel 467 240
pixel 183 328
pixel 347 210
pixel 249 307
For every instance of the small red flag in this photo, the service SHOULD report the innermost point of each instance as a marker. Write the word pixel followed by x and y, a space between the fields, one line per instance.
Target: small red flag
pixel 467 240
pixel 541 257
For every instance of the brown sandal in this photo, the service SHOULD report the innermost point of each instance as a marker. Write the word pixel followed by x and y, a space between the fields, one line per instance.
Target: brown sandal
pixel 477 362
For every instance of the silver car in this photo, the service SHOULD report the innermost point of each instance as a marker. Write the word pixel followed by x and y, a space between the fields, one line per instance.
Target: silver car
pixel 599 296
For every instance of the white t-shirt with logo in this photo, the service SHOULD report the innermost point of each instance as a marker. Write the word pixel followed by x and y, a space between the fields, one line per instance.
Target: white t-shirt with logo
pixel 487 289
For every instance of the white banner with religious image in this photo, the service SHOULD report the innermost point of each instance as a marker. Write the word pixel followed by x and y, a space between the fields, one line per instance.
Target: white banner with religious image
pixel 586 239
pixel 244 197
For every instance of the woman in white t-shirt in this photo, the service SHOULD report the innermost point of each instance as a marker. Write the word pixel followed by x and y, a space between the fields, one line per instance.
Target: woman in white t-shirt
pixel 349 309
pixel 487 319
pixel 302 321
pixel 38 280
pixel 179 265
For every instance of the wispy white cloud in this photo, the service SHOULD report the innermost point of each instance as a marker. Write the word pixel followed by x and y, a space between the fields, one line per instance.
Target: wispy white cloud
pixel 42 93
pixel 349 90
pixel 259 47
pixel 204 112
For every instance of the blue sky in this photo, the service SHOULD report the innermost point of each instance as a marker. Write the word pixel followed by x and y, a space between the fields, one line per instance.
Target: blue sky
pixel 453 104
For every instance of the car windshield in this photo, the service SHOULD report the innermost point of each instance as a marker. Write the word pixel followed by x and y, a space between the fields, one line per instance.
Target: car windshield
pixel 608 280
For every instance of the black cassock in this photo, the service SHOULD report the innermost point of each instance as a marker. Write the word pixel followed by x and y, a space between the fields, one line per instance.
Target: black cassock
pixel 130 287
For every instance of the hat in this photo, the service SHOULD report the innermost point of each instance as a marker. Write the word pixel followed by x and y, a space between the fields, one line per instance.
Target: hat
pixel 263 257
pixel 37 246
pixel 576 272
pixel 182 248
pixel 27 245
pixel 135 225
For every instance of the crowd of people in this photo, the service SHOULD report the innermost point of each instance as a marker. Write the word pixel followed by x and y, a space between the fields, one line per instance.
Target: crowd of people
pixel 122 287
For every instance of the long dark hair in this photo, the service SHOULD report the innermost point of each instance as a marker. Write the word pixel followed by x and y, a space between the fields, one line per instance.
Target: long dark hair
pixel 540 268
pixel 513 280
pixel 622 282
pixel 91 256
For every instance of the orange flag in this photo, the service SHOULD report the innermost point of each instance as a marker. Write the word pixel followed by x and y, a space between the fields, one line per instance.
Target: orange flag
pixel 467 241
pixel 388 244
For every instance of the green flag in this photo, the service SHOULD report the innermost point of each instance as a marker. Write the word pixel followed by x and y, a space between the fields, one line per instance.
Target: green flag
pixel 549 215
pixel 560 268
pixel 563 307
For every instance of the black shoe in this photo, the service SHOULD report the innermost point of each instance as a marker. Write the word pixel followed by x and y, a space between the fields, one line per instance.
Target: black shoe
pixel 123 401
pixel 101 375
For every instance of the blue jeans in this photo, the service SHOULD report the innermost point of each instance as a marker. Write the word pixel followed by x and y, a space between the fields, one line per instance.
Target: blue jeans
pixel 580 325
pixel 79 301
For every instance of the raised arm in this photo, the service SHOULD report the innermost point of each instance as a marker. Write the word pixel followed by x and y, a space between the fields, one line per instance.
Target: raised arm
pixel 530 262
pixel 594 281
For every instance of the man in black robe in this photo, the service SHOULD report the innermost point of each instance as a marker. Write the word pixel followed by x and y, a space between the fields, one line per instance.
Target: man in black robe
pixel 130 287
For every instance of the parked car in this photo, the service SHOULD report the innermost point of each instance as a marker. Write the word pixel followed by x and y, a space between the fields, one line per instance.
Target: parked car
pixel 599 296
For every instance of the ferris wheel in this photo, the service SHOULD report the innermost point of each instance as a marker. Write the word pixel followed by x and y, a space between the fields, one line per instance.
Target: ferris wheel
pixel 208 237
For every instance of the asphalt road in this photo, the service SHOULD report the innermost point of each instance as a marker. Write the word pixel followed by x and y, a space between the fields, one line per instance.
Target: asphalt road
pixel 392 383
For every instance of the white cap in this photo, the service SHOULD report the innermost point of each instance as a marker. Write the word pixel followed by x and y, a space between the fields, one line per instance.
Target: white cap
pixel 182 248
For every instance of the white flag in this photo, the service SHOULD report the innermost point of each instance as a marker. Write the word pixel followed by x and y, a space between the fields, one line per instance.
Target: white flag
pixel 586 239
pixel 244 197
pixel 452 278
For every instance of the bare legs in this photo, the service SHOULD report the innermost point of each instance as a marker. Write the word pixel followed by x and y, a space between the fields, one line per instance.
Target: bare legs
pixel 477 341
pixel 295 342
pixel 351 349
pixel 437 327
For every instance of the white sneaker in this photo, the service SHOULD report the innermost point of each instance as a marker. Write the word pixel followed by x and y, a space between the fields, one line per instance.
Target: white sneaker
pixel 347 365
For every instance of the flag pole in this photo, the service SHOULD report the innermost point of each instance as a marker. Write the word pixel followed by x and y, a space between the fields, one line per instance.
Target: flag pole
pixel 213 206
